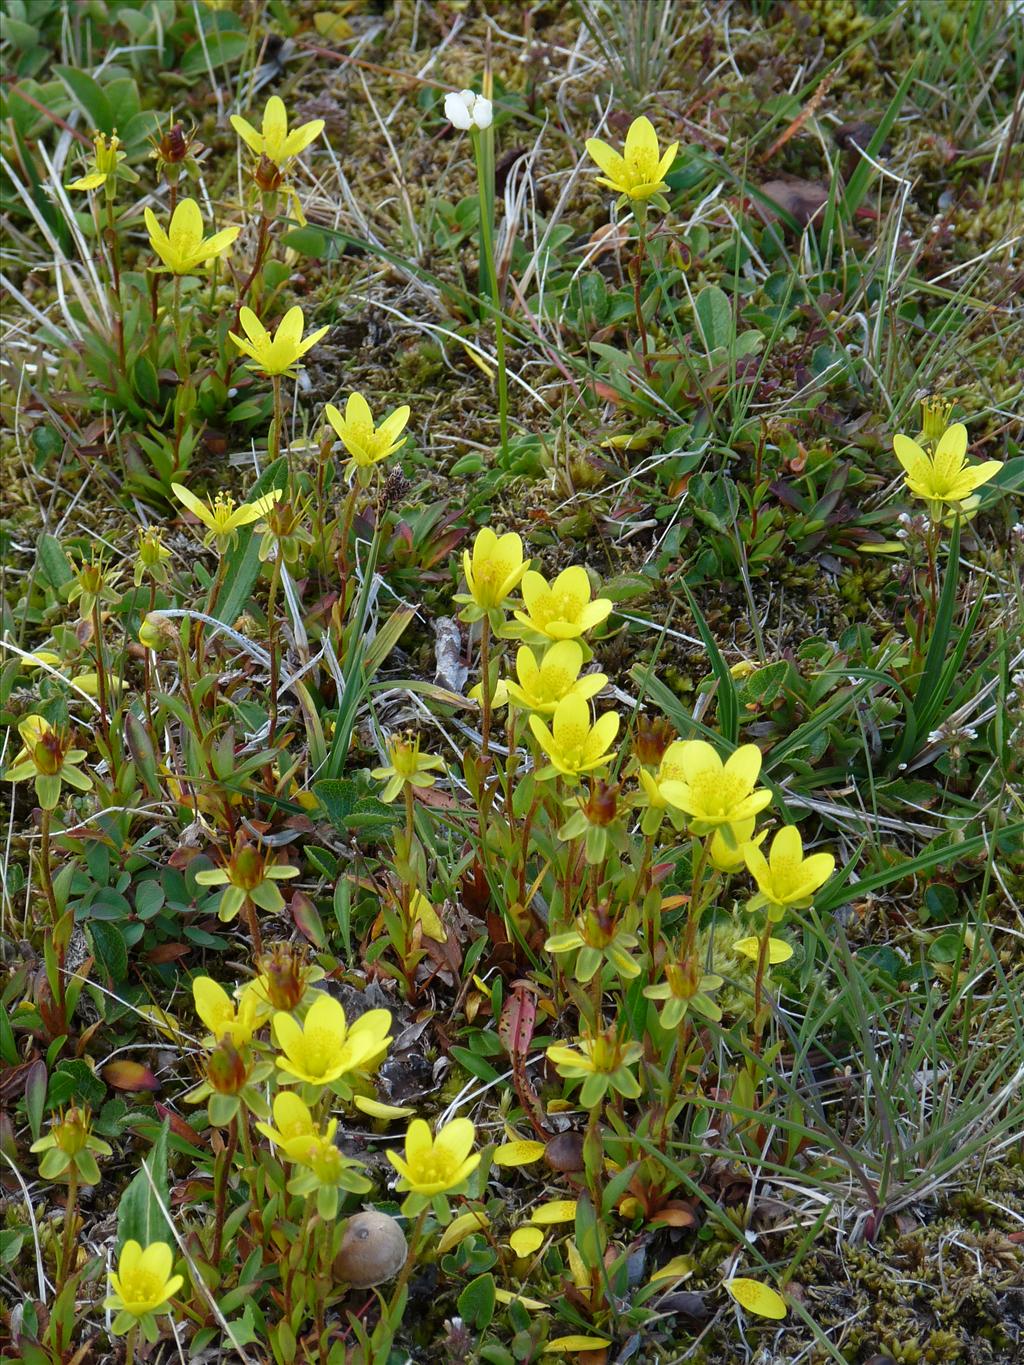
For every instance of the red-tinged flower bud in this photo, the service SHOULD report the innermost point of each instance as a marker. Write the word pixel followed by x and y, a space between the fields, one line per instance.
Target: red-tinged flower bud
pixel 652 737
pixel 268 175
pixel 602 805
pixel 226 1068
pixel 286 976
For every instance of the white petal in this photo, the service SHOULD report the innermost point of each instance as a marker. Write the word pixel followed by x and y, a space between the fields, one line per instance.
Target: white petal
pixel 456 112
pixel 482 112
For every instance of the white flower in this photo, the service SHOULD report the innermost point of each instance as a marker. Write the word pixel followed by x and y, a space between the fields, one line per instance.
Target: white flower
pixel 466 110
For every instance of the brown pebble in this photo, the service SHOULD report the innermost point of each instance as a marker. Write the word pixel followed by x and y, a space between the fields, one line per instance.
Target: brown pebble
pixel 373 1250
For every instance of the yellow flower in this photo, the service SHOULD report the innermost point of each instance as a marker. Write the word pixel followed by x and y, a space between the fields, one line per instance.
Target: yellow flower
pixel 424 914
pixel 945 476
pixel 325 1048
pixel 717 795
pixel 573 745
pixel 637 173
pixel 47 756
pixel 561 610
pixel 728 857
pixel 294 1121
pixel 670 769
pixel 274 140
pixel 106 160
pixel 786 878
pixel 685 990
pixel 184 247
pixel 142 1284
pixel 221 517
pixel 601 1062
pixel 70 1143
pixel 282 352
pixel 494 568
pixel 436 1165
pixel 366 443
pixel 543 685
pixel 407 766
pixel 217 1011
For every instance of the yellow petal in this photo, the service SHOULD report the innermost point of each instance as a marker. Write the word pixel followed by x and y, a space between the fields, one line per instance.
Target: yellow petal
pixel 757 1298
pixel 554 1211
pixel 460 1228
pixel 519 1153
pixel 563 1345
pixel 525 1241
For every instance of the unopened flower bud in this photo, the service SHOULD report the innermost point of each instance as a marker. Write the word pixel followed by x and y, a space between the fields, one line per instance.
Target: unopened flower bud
pixel 226 1068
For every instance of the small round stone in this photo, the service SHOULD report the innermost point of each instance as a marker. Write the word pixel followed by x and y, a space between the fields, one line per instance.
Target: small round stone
pixel 373 1250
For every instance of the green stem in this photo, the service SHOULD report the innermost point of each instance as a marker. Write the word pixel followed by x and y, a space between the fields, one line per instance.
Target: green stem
pixel 101 672
pixel 45 871
pixel 637 272
pixel 129 1345
pixel 275 579
pixel 180 349
pixel 274 443
pixel 485 685
pixel 70 1207
pixel 483 147
pixel 762 960
pixel 410 1260
pixel 115 270
pixel 221 1172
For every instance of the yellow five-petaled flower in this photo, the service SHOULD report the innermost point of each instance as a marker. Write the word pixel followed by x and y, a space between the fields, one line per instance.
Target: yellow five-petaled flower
pixel 945 476
pixel 638 172
pixel 561 610
pixel 218 1011
pixel 494 568
pixel 573 745
pixel 141 1286
pixel 274 140
pixel 366 443
pixel 717 795
pixel 280 353
pixel 221 517
pixel 184 248
pixel 786 878
pixel 436 1165
pixel 325 1047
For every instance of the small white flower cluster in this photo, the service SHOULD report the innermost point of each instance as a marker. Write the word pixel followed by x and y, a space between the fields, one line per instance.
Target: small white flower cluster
pixel 466 110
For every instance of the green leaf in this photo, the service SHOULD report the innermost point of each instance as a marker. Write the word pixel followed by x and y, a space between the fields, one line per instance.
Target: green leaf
pixel 139 1216
pixel 857 187
pixel 145 381
pixel 90 96
pixel 714 317
pixel 53 562
pixel 477 1300
pixel 728 705
pixel 220 49
pixel 338 796
pixel 109 946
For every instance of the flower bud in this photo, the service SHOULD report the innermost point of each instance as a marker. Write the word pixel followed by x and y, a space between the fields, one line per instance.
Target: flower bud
pixel 652 737
pixel 226 1068
pixel 156 632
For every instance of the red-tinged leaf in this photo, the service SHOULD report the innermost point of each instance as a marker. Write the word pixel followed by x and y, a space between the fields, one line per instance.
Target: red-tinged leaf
pixel 167 952
pixel 518 1019
pixel 675 1215
pixel 179 1127
pixel 607 394
pixel 181 857
pixel 307 920
pixel 126 1075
